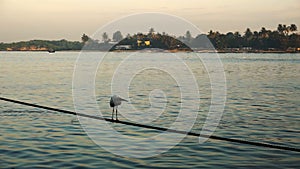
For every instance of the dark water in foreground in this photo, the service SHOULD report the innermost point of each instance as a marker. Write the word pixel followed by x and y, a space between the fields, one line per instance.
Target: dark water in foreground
pixel 263 104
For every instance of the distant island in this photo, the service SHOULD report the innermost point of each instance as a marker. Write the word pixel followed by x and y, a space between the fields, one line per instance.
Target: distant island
pixel 284 39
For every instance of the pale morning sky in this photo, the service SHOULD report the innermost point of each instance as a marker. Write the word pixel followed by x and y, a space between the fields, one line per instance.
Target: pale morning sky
pixel 69 19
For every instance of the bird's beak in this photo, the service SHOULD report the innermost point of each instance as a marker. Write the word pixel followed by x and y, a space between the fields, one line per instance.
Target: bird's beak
pixel 124 100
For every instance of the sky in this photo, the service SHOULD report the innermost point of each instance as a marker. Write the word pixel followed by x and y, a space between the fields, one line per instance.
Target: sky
pixel 68 19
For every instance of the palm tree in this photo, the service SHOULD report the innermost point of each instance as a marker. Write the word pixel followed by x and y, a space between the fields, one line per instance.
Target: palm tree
pixel 264 33
pixel 84 38
pixel 151 32
pixel 286 30
pixel 248 34
pixel 188 36
pixel 293 28
pixel 117 36
pixel 104 37
pixel 280 28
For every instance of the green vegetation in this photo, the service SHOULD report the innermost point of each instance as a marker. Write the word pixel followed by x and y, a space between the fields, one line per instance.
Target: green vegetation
pixel 284 39
pixel 117 36
pixel 41 45
pixel 151 40
pixel 281 39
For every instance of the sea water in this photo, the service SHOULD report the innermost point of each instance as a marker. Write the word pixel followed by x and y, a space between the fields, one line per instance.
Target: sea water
pixel 262 105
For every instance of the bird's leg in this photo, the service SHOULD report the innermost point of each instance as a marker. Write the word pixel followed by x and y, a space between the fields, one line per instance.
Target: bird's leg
pixel 117 114
pixel 112 115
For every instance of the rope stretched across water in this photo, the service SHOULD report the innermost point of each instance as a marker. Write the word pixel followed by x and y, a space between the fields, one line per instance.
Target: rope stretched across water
pixel 259 144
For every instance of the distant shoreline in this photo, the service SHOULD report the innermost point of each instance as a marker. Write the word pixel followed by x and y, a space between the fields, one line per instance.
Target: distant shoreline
pixel 283 40
pixel 161 51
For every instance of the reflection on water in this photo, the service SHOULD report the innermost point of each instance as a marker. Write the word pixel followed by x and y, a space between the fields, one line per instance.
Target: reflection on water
pixel 262 105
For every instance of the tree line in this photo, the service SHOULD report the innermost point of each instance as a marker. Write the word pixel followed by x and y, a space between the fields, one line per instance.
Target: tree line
pixel 41 45
pixel 283 38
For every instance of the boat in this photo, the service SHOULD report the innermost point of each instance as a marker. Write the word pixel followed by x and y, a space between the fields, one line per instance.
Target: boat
pixel 51 50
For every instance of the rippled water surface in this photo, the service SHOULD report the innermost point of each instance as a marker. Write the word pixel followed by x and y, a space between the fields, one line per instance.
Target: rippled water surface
pixel 263 104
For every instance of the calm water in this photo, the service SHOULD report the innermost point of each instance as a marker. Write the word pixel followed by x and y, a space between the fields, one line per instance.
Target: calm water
pixel 263 104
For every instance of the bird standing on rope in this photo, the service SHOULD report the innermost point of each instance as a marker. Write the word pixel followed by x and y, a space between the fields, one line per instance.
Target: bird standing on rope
pixel 260 144
pixel 115 101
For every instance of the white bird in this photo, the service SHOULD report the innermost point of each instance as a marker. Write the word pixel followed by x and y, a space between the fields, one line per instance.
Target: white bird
pixel 115 101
